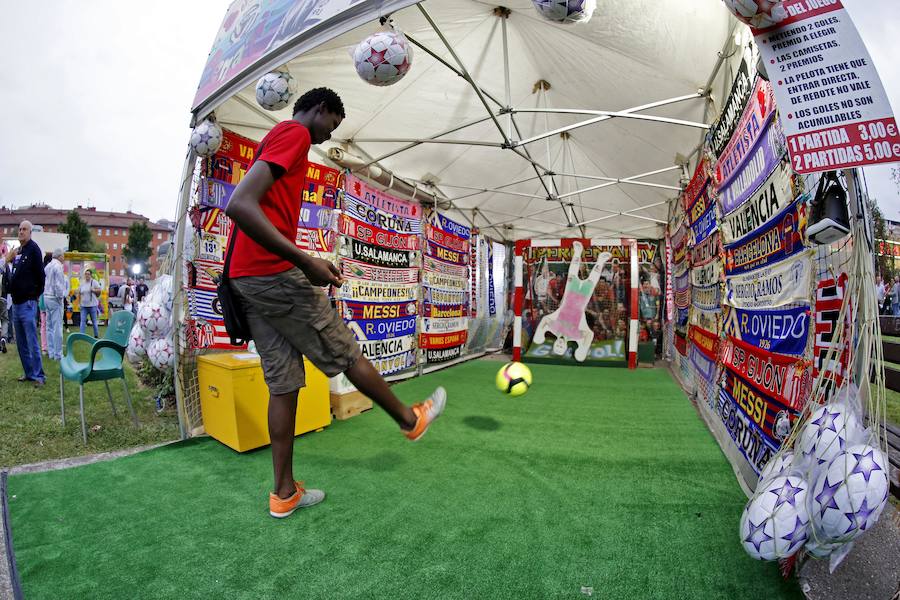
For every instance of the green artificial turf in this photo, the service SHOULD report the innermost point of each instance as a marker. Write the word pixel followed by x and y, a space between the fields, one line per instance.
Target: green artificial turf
pixel 597 478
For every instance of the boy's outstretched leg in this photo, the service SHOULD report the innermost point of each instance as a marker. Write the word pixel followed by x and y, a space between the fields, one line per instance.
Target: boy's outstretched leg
pixel 413 420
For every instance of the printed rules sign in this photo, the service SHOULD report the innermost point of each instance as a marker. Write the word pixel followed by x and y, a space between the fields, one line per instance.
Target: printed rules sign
pixel 833 105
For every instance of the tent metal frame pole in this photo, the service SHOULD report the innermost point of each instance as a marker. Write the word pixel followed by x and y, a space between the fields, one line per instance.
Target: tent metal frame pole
pixel 614 180
pixel 509 123
pixel 620 180
pixel 624 214
pixel 433 137
pixel 490 190
pixel 517 218
pixel 418 141
pixel 462 72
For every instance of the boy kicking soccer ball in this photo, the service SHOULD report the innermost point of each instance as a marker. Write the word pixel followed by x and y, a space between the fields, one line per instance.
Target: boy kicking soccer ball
pixel 279 286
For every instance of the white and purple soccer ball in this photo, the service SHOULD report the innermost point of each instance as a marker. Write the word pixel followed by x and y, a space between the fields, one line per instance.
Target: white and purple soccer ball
pixel 161 353
pixel 850 494
pixel 154 320
pixel 566 11
pixel 758 13
pixel 825 434
pixel 206 138
pixel 274 90
pixel 383 58
pixel 137 344
pixel 776 466
pixel 775 521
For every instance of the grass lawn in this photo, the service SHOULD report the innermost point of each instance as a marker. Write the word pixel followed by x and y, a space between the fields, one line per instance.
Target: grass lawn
pixel 31 426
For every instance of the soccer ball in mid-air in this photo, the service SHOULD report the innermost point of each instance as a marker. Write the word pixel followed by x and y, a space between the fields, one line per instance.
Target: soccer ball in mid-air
pixel 154 320
pixel 776 520
pixel 206 138
pixel 513 379
pixel 758 14
pixel 566 11
pixel 383 58
pixel 274 90
pixel 161 353
pixel 851 493
pixel 137 344
pixel 825 434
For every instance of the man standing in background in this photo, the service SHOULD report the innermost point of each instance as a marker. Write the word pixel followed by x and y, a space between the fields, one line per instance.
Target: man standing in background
pixel 55 290
pixel 26 284
pixel 5 325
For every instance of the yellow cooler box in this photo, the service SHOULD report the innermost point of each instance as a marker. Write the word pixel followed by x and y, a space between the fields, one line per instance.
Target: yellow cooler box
pixel 235 400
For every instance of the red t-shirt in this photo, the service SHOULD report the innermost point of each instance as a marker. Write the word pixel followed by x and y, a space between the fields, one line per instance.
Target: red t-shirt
pixel 286 145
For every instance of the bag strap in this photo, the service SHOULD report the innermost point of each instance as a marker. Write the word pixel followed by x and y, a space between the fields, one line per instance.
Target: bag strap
pixel 233 236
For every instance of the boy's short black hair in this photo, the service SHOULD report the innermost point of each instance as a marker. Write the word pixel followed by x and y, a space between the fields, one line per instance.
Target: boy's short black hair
pixel 316 96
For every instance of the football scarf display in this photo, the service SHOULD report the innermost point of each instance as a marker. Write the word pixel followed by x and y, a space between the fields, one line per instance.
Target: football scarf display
pixel 751 128
pixel 773 195
pixel 768 152
pixel 375 255
pixel 784 378
pixel 776 285
pixel 707 275
pixel 781 238
pixel 376 291
pixel 782 331
pixel 722 130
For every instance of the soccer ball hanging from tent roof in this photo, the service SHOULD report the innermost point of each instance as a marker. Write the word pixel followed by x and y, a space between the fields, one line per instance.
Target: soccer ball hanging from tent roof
pixel 758 13
pixel 383 58
pixel 206 138
pixel 566 11
pixel 274 90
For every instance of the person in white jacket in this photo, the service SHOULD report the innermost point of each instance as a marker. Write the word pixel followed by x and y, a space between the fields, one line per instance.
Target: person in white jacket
pixel 55 290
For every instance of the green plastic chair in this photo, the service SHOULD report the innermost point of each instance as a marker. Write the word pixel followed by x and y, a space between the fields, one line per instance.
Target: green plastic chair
pixel 105 363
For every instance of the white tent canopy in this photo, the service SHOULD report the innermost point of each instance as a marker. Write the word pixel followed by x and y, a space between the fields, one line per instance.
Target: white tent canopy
pixel 636 78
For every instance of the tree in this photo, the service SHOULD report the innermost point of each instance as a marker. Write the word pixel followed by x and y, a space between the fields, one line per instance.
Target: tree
pixel 138 250
pixel 80 238
pixel 883 263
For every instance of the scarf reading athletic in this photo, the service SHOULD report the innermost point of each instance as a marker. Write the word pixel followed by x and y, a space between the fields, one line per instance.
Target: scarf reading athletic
pixel 383 257
pixel 381 200
pixel 780 238
pixel 781 331
pixel 707 297
pixel 722 130
pixel 709 274
pixel 774 418
pixel 379 218
pixel 371 234
pixel 769 151
pixel 757 115
pixel 376 291
pixel 361 270
pixel 787 379
pixel 771 197
pixel 775 285
pixel 706 251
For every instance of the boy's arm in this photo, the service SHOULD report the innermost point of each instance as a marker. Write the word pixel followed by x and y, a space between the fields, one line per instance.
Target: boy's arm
pixel 244 210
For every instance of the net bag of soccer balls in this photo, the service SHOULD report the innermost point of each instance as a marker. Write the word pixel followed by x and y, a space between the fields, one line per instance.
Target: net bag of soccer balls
pixel 513 379
pixel 822 495
pixel 151 336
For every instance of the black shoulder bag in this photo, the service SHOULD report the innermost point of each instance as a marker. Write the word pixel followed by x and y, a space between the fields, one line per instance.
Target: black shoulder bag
pixel 230 302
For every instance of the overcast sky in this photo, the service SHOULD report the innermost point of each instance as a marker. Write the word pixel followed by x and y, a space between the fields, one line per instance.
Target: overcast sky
pixel 95 98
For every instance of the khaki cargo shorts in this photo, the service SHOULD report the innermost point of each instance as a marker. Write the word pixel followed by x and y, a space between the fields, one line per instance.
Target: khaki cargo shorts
pixel 290 318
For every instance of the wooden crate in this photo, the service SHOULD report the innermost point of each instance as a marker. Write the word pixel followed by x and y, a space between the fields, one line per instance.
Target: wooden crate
pixel 344 406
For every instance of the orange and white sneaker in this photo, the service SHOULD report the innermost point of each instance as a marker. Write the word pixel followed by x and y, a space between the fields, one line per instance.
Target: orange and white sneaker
pixel 284 507
pixel 426 413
